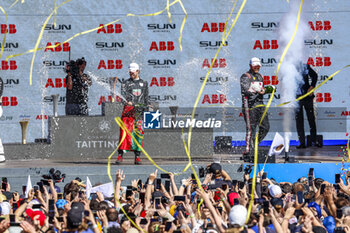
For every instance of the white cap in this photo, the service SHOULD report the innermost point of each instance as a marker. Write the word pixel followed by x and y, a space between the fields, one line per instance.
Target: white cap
pixel 275 190
pixel 255 61
pixel 134 67
pixel 238 215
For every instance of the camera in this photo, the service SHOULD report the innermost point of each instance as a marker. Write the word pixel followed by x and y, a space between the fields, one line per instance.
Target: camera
pixel 54 175
pixel 72 66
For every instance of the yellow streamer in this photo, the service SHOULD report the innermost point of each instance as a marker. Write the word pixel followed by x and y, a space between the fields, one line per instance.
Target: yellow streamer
pixel 167 9
pixel 55 10
pixel 4 39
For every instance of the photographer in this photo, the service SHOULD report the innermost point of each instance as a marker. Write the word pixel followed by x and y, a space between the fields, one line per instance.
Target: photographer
pixel 77 88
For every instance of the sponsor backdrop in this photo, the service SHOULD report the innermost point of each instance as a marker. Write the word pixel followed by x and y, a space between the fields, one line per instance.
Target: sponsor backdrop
pixel 174 76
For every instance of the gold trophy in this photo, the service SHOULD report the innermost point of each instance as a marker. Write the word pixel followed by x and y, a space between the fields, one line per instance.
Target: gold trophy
pixel 24 124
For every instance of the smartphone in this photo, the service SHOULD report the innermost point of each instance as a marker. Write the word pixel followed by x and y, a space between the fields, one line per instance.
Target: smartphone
pixel 179 198
pixel 241 184
pixel 128 193
pixel 311 181
pixel 339 213
pixel 143 221
pixel 165 176
pixel 13 220
pixel 168 226
pixel 142 198
pixel 86 213
pixel 167 185
pixel 36 206
pixel 51 202
pixel 60 195
pixel 337 187
pixel 266 207
pixel 220 210
pixel 36 187
pixel 337 178
pixel 300 197
pixel 201 172
pixel 139 184
pixel 24 188
pixel 192 176
pixel 323 186
pixel 40 184
pixel 311 172
pixel 157 202
pixel 93 196
pixel 3 185
pixel 158 183
pixel 264 176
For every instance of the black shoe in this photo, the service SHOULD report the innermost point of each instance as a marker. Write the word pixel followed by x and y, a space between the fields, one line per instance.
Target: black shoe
pixel 301 146
pixel 317 144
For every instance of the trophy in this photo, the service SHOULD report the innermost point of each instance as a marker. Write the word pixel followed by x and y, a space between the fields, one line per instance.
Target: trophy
pixel 55 104
pixel 24 124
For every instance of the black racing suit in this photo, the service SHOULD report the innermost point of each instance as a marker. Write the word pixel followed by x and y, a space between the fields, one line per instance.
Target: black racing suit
pixel 136 92
pixel 252 116
pixel 307 72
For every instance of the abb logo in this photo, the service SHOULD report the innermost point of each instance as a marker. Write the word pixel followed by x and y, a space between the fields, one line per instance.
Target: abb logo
pixel 116 28
pixel 220 64
pixel 273 80
pixel 58 83
pixel 214 27
pixel 11 28
pixel 103 99
pixel 9 65
pixel 320 25
pixel 214 99
pixel 319 61
pixel 163 46
pixel 111 64
pixel 267 44
pixel 345 113
pixel 323 97
pixel 60 47
pixel 163 82
pixel 9 101
pixel 40 117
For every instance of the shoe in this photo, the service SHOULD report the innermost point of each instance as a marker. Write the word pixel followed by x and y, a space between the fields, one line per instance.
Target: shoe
pixel 317 144
pixel 301 146
pixel 137 161
pixel 119 159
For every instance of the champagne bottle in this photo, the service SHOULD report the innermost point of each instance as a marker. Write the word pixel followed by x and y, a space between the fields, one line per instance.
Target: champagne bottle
pixel 269 89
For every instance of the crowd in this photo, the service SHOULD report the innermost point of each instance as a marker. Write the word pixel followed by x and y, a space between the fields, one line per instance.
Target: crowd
pixel 159 205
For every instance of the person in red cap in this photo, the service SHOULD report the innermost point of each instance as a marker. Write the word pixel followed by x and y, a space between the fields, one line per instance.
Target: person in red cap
pixel 134 93
pixel 252 90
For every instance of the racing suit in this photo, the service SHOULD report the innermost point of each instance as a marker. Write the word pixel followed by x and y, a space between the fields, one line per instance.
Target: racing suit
pixel 252 115
pixel 135 91
pixel 306 71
